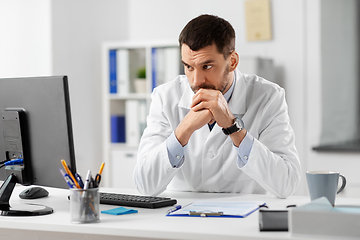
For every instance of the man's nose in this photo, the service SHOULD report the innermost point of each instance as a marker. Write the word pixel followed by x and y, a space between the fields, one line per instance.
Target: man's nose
pixel 199 78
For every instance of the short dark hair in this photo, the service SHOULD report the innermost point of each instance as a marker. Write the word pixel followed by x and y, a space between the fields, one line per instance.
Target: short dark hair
pixel 206 30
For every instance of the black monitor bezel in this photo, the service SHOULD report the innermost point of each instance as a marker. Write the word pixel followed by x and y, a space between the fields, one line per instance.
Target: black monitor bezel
pixel 38 85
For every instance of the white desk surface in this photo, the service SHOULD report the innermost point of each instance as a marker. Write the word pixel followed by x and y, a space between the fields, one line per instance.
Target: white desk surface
pixel 147 223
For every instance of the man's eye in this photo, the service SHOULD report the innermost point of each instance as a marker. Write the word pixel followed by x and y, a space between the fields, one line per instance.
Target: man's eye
pixel 188 67
pixel 207 66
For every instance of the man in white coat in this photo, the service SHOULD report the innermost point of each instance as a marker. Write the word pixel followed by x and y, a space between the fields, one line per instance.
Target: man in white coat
pixel 217 129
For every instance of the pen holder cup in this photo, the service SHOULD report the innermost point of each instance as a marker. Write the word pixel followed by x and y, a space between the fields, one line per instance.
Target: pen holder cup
pixel 84 205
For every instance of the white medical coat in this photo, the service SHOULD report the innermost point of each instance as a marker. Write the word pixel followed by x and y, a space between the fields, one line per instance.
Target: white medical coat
pixel 210 158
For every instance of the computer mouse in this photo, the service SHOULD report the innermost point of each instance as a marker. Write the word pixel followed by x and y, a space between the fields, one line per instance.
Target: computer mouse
pixel 33 193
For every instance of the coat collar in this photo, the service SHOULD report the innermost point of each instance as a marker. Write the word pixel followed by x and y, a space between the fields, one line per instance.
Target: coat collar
pixel 186 98
pixel 236 103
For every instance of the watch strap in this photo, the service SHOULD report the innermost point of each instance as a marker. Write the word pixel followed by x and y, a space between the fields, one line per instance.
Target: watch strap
pixel 230 130
pixel 237 126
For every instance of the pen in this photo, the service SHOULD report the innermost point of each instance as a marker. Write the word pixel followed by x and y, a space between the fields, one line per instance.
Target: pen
pixel 69 173
pixel 171 210
pixel 84 196
pixel 67 179
pixel 91 183
pixel 79 180
pixel 88 179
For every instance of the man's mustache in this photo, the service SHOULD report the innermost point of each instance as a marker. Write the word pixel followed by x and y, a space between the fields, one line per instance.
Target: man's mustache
pixel 204 85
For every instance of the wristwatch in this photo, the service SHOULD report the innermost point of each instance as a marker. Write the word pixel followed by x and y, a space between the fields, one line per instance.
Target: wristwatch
pixel 236 127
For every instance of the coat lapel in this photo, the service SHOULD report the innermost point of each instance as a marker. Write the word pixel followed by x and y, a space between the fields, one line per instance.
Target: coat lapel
pixel 237 101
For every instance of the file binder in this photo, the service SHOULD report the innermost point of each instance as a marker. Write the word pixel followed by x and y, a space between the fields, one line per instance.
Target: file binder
pixel 238 209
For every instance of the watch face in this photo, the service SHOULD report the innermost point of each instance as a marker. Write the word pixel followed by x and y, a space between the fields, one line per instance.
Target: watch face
pixel 239 123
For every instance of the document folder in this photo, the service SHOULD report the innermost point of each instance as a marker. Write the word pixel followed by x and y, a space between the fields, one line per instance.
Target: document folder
pixel 239 209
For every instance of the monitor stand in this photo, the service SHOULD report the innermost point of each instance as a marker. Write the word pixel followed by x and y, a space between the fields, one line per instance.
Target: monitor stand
pixel 5 193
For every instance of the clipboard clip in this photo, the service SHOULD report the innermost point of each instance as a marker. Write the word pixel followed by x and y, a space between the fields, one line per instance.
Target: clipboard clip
pixel 206 214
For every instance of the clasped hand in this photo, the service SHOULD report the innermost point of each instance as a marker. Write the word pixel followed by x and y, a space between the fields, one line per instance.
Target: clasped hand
pixel 214 102
pixel 207 106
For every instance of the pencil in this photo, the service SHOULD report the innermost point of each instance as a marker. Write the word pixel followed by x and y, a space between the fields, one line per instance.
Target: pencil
pixel 101 168
pixel 70 174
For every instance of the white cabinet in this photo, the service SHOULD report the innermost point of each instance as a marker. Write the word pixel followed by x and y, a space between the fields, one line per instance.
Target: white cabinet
pixel 122 163
pixel 126 99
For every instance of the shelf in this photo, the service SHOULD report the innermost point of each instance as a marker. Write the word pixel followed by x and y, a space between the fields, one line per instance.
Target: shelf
pixel 124 105
pixel 349 146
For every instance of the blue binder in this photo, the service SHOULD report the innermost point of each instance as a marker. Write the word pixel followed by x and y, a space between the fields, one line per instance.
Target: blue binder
pixel 118 129
pixel 112 71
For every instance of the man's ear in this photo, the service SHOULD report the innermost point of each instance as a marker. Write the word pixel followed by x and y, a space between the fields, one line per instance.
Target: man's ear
pixel 234 60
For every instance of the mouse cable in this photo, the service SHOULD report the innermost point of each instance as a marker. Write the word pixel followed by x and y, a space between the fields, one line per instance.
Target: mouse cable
pixel 4 161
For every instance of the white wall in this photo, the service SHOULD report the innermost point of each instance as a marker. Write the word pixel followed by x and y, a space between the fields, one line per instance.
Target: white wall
pixel 79 27
pixel 25 38
pixel 346 163
pixel 339 51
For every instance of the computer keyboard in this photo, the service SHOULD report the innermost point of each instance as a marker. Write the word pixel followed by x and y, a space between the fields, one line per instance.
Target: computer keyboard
pixel 135 200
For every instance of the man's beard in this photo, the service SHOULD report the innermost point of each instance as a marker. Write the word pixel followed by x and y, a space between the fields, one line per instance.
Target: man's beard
pixel 224 83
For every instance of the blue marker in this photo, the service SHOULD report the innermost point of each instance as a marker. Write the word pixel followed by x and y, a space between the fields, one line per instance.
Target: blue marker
pixel 68 179
pixel 79 180
pixel 171 210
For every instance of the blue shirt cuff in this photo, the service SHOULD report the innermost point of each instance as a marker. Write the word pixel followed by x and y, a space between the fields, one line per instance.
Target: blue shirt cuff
pixel 175 151
pixel 244 149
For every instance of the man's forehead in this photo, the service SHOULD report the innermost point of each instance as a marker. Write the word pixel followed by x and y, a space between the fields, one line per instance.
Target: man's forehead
pixel 205 55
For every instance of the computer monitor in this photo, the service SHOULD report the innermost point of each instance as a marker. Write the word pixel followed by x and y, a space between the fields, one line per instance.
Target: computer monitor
pixel 49 139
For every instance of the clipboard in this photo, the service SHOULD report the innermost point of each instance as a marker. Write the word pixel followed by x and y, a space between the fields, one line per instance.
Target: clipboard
pixel 239 209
